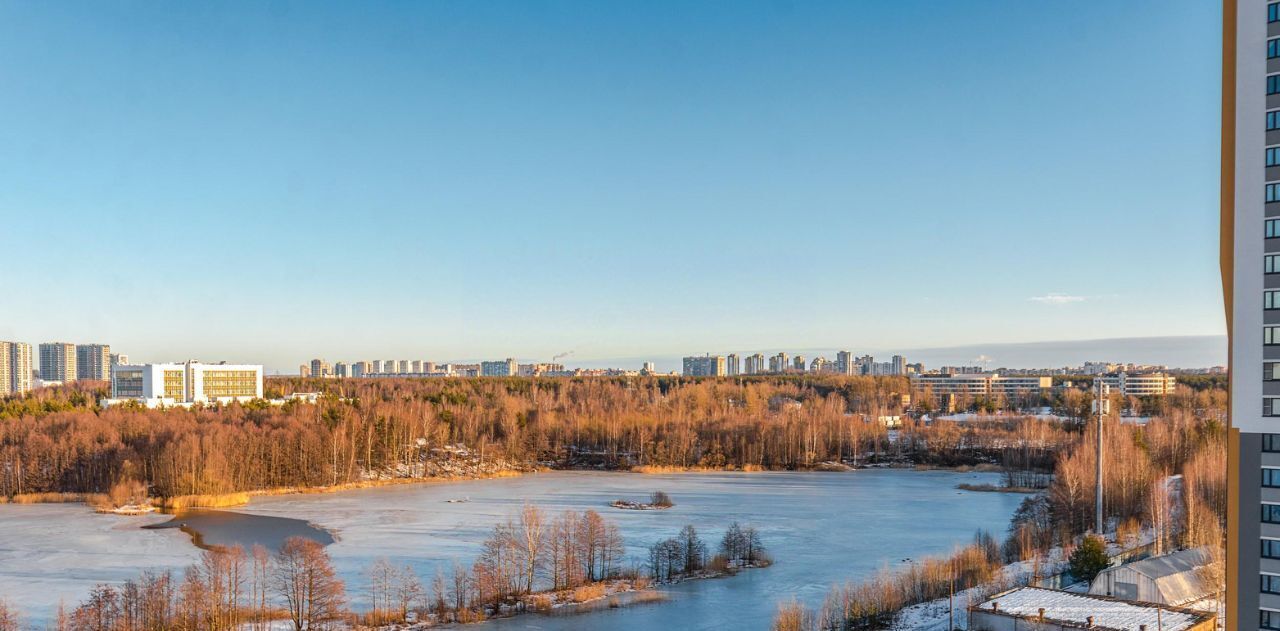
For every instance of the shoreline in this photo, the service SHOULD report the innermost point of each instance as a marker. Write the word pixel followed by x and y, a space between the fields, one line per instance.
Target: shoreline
pixel 176 504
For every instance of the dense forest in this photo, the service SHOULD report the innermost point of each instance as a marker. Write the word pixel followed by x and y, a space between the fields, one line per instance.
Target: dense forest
pixel 57 440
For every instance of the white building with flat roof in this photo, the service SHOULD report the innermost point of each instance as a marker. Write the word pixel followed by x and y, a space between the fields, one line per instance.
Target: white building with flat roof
pixel 156 385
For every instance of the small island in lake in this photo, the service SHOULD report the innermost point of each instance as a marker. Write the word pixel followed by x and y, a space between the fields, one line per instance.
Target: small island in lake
pixel 658 500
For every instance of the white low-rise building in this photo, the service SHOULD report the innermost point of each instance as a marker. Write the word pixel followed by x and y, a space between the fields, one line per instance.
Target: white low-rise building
pixel 1141 384
pixel 158 385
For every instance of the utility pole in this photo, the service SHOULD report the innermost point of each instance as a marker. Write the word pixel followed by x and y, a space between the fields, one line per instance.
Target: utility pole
pixel 1099 403
pixel 951 595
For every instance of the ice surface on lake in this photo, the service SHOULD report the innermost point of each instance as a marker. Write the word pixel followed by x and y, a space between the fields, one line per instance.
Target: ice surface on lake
pixel 51 552
pixel 822 528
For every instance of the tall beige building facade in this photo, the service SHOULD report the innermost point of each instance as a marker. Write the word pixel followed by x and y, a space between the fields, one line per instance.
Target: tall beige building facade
pixel 15 367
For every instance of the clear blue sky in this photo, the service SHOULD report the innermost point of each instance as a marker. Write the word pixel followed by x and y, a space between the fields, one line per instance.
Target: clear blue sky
pixel 274 181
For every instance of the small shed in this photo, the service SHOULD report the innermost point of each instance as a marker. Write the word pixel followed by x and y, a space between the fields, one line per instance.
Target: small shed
pixel 1170 579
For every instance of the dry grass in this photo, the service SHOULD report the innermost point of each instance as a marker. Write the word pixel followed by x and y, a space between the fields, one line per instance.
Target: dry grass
pixel 645 597
pixel 468 615
pixel 371 484
pixel 589 592
pixel 653 468
pixel 183 502
pixel 51 498
pixel 541 602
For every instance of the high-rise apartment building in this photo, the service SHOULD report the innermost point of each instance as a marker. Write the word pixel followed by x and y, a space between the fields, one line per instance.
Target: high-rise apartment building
pixel 505 368
pixel 778 363
pixel 754 365
pixel 732 365
pixel 58 362
pixel 1250 261
pixel 93 361
pixel 844 363
pixel 15 367
pixel 321 368
pixel 899 365
pixel 704 366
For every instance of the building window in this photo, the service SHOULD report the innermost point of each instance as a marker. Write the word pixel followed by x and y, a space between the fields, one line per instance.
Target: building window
pixel 1270 584
pixel 1271 550
pixel 1271 335
pixel 1273 121
pixel 1271 372
pixel 1269 619
pixel 1273 156
pixel 1271 263
pixel 1271 299
pixel 1271 443
pixel 1273 12
pixel 1271 406
pixel 1271 513
pixel 1271 478
pixel 1273 192
pixel 1273 84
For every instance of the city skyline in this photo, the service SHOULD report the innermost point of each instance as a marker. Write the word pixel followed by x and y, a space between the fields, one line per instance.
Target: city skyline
pixel 353 199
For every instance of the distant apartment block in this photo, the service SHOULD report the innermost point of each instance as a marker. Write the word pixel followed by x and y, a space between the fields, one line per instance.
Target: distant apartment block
pixel 649 368
pixel 732 365
pixel 980 384
pixel 93 362
pixel 504 368
pixel 58 362
pixel 754 365
pixel 321 368
pixel 539 370
pixel 15 367
pixel 704 366
pixel 1141 384
pixel 844 363
pixel 778 363
pixel 189 383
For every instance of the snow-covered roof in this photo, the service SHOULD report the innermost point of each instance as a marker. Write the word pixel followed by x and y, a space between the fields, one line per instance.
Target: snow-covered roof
pixel 1107 613
pixel 1176 575
pixel 1169 564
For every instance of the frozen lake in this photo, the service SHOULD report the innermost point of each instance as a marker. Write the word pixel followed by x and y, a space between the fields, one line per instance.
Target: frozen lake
pixel 821 528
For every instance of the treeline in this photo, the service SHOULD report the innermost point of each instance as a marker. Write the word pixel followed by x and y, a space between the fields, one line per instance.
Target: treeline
pixel 56 440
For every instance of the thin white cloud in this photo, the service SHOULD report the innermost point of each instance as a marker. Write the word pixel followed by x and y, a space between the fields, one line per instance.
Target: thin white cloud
pixel 1056 299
